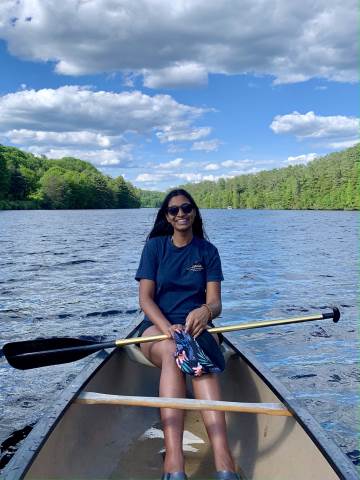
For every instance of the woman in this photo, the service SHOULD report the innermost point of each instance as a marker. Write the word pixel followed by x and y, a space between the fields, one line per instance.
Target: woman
pixel 180 290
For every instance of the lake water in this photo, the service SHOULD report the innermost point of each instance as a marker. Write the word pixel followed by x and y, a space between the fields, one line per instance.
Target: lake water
pixel 71 273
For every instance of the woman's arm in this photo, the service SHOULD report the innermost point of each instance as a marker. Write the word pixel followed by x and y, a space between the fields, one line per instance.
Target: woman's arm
pixel 150 308
pixel 198 319
pixel 213 298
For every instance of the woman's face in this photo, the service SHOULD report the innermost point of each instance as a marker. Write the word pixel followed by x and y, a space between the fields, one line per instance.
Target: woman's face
pixel 180 220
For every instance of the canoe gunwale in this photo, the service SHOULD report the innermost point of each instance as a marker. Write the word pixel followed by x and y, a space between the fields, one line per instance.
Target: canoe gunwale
pixel 336 458
pixel 26 454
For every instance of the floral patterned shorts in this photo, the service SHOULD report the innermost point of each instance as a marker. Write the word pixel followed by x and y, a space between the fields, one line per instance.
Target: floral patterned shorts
pixel 198 356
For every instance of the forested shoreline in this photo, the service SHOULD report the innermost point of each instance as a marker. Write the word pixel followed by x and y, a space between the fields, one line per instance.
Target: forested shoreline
pixel 30 182
pixel 327 183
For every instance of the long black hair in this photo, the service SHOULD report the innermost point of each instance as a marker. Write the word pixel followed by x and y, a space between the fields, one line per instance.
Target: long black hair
pixel 163 228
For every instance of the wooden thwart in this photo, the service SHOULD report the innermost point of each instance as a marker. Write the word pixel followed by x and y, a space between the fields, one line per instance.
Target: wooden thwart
pixel 94 398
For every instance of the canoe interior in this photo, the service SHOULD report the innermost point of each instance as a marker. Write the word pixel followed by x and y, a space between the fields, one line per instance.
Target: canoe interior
pixel 112 442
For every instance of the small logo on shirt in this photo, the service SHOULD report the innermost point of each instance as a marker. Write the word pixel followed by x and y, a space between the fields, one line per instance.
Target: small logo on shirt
pixel 196 267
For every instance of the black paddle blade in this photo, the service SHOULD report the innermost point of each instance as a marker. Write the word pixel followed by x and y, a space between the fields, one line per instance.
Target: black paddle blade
pixel 43 352
pixel 335 314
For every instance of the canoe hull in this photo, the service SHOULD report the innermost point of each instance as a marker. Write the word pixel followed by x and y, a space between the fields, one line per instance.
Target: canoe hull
pixel 112 442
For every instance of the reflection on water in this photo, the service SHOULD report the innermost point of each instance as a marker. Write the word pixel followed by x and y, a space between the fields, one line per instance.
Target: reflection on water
pixel 70 273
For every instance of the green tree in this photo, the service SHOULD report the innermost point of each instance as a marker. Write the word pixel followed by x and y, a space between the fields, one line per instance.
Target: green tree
pixel 55 188
pixel 120 191
pixel 4 177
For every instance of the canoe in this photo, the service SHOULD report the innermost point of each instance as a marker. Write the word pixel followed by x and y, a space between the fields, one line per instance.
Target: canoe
pixel 88 434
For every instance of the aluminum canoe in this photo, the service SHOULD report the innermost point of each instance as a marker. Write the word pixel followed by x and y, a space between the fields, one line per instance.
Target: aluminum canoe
pixel 80 441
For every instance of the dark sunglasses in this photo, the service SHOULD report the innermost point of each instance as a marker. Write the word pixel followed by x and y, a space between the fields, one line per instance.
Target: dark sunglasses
pixel 185 207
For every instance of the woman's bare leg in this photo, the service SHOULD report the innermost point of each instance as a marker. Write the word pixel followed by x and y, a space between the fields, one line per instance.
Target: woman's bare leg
pixel 172 384
pixel 207 387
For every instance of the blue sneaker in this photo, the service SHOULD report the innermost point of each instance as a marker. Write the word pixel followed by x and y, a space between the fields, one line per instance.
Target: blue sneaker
pixel 226 475
pixel 174 476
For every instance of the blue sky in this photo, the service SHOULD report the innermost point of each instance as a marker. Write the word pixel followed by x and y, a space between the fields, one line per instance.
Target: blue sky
pixel 166 94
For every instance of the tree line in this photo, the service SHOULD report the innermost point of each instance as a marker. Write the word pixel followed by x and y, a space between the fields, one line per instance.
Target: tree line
pixel 327 183
pixel 27 181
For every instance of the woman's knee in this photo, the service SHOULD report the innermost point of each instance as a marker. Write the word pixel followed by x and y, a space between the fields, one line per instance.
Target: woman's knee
pixel 166 354
pixel 167 347
pixel 161 352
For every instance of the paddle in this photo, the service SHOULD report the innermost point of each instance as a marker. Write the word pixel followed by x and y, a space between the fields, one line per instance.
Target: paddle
pixel 43 352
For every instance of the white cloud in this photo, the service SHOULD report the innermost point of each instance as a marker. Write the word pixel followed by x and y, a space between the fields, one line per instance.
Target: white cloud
pixel 330 130
pixel 301 159
pixel 74 108
pixel 162 180
pixel 192 177
pixel 99 158
pixel 24 136
pixel 181 43
pixel 179 75
pixel 236 163
pixel 212 166
pixel 129 80
pixel 206 145
pixel 94 124
pixel 344 144
pixel 314 126
pixel 182 133
pixel 150 177
pixel 173 148
pixel 173 163
pixel 198 177
pixel 215 178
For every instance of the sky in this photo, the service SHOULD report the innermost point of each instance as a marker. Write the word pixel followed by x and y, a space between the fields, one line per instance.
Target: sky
pixel 166 93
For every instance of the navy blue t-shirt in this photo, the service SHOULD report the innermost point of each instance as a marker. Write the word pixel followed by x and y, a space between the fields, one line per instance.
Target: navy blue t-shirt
pixel 180 274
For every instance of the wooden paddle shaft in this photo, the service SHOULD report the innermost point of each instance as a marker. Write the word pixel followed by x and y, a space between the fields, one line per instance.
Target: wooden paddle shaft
pixel 230 328
pixel 94 398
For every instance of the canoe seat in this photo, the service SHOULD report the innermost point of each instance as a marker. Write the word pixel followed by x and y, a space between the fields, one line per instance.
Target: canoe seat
pixel 135 354
pixel 96 398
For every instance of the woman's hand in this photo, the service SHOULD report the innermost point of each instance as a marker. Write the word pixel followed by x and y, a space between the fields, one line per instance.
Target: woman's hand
pixel 196 321
pixel 173 328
